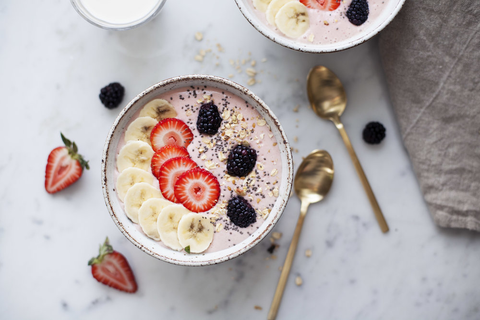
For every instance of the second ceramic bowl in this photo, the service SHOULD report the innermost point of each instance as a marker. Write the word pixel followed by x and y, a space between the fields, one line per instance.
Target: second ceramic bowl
pixel 392 7
pixel 132 231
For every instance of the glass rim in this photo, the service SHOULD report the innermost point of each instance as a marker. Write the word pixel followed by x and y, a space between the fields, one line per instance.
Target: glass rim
pixel 84 13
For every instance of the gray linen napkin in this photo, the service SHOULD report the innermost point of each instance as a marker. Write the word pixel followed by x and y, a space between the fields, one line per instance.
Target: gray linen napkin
pixel 431 57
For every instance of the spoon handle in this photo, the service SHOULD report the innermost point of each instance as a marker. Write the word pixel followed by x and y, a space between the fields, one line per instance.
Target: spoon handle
pixel 282 282
pixel 373 201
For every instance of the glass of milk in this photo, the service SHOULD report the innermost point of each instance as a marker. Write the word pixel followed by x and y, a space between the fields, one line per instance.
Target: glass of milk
pixel 118 14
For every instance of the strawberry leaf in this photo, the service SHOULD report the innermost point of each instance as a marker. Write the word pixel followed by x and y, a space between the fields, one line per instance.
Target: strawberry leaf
pixel 67 142
pixel 104 250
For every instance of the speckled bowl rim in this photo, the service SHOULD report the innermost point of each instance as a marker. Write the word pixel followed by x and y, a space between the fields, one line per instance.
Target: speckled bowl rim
pixel 235 89
pixel 311 48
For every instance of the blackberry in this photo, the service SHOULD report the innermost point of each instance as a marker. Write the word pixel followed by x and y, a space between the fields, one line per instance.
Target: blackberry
pixel 241 212
pixel 357 12
pixel 374 133
pixel 209 119
pixel 112 95
pixel 241 161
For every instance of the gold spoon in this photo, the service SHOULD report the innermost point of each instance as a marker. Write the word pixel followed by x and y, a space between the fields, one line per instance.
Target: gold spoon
pixel 312 183
pixel 328 100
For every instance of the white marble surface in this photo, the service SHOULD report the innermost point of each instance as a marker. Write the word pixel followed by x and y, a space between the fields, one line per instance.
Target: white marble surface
pixel 52 65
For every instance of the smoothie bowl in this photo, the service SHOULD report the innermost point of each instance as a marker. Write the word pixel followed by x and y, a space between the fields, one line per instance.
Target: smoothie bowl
pixel 319 26
pixel 196 170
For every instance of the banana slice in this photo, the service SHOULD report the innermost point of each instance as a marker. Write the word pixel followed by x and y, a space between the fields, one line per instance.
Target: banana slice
pixel 273 7
pixel 140 129
pixel 129 177
pixel 195 230
pixel 137 154
pixel 261 5
pixel 167 225
pixel 136 196
pixel 148 216
pixel 158 109
pixel 292 19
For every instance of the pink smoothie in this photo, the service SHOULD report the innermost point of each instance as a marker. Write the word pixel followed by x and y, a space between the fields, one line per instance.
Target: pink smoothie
pixel 241 122
pixel 327 27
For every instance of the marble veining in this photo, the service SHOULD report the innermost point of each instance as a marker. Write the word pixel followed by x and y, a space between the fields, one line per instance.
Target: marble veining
pixel 53 65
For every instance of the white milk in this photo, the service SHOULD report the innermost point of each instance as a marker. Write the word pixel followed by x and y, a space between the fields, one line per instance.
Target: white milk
pixel 119 11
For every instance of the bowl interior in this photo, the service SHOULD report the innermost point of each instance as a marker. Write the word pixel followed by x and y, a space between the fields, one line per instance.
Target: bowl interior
pixel 133 231
pixel 392 7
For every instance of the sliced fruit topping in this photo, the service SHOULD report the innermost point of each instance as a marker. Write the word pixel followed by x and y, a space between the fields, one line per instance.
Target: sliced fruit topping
pixel 240 212
pixel 171 131
pixel 166 153
pixel 195 232
pixel 241 161
pixel 167 225
pixel 112 269
pixel 169 173
pixel 129 177
pixel 261 4
pixel 292 19
pixel 148 216
pixel 137 154
pixel 64 166
pixel 140 129
pixel 198 190
pixel 136 196
pixel 325 5
pixel 209 119
pixel 273 7
pixel 158 109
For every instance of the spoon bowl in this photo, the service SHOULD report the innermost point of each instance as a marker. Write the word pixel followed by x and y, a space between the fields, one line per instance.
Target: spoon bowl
pixel 326 93
pixel 314 176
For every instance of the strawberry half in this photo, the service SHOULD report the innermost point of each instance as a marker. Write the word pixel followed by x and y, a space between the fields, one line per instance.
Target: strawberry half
pixel 170 131
pixel 112 269
pixel 198 190
pixel 64 166
pixel 166 153
pixel 325 5
pixel 169 173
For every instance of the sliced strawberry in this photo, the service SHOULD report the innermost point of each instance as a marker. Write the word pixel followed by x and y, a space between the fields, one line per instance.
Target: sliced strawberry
pixel 171 131
pixel 166 153
pixel 169 173
pixel 325 5
pixel 198 190
pixel 112 269
pixel 64 166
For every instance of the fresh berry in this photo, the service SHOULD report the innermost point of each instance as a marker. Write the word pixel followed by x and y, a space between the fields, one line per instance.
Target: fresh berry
pixel 169 173
pixel 374 133
pixel 209 119
pixel 166 153
pixel 64 166
pixel 241 161
pixel 198 190
pixel 357 12
pixel 325 5
pixel 241 212
pixel 170 131
pixel 112 95
pixel 112 269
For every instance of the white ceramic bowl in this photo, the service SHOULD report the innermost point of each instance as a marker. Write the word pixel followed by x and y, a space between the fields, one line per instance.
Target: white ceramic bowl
pixel 132 231
pixel 82 11
pixel 392 7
